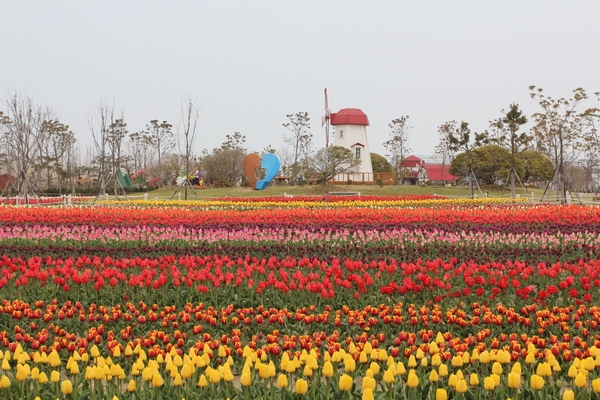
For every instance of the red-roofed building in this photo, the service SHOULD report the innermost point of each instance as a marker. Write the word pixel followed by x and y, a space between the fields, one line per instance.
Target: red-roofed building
pixel 439 173
pixel 411 162
pixel 7 181
pixel 417 170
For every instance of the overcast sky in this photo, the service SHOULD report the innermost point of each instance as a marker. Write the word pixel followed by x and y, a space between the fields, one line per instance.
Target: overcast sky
pixel 249 63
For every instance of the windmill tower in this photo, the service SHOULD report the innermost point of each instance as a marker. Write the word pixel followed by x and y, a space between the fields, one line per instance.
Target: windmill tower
pixel 350 131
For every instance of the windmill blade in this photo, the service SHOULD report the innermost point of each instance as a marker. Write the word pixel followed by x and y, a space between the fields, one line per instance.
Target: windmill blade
pixel 325 119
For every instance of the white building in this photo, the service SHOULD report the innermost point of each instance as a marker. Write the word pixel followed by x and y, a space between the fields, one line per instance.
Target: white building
pixel 350 131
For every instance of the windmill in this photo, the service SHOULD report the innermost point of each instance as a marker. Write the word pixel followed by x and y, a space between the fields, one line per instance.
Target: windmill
pixel 326 119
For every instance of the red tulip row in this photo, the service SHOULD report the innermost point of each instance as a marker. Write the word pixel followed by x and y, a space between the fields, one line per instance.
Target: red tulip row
pixel 587 217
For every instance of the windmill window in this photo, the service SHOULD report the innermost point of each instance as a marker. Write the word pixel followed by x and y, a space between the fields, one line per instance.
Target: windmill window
pixel 341 133
pixel 357 152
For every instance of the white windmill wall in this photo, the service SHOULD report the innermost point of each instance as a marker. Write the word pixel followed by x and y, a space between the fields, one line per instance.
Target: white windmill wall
pixel 347 136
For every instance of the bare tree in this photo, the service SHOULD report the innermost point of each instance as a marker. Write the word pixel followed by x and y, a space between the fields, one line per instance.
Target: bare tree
pixel 23 138
pixel 300 141
pixel 444 149
pixel 397 144
pixel 161 136
pixel 117 132
pixel 187 132
pixel 56 155
pixel 506 135
pixel 559 130
pixel 100 128
pixel 139 147
pixel 460 140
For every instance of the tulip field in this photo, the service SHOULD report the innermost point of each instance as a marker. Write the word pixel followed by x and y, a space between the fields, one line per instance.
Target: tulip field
pixel 414 297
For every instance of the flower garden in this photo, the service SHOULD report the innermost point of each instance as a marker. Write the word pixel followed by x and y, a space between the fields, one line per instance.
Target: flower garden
pixel 299 298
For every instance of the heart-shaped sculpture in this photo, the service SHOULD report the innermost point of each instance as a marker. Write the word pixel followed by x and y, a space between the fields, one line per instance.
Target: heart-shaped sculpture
pixel 270 163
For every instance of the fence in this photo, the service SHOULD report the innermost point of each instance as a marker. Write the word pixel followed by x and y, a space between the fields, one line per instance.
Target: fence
pixel 366 178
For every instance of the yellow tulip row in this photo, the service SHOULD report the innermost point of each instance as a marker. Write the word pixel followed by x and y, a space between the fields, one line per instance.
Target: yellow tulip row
pixel 363 367
pixel 223 204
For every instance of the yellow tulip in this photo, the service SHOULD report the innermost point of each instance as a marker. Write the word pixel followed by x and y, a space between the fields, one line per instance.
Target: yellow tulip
pixel 282 381
pixel 131 386
pixel 215 376
pixel 589 363
pixel 412 380
pixel 349 364
pixel 5 364
pixel 568 395
pixel 412 362
pixel 363 358
pixel 307 370
pixel 374 367
pixel 474 379
pixel 246 379
pixel 580 380
pixel 368 394
pixel 461 386
pixel 443 370
pixel 227 374
pixel 433 376
pixel 4 382
pixel 157 380
pixel 368 382
pixel 345 382
pixel 301 386
pixel 66 387
pixel 177 380
pixel 400 370
pixel 327 369
pixel 484 357
pixel 22 373
pixel 596 385
pixel 452 380
pixel 187 371
pixel 424 362
pixel 544 369
pixel 537 382
pixel 388 376
pixel 54 359
pixel 497 368
pixel 516 368
pixel 54 376
pixel 514 380
pixel 530 358
pixel 436 360
pixel 74 368
pixel 202 382
pixel 572 372
pixel 489 383
pixel 94 352
pixel 43 378
pixel 441 394
pixel 433 348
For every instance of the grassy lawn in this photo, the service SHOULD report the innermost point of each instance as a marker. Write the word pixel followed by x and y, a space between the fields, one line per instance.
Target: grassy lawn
pixel 320 190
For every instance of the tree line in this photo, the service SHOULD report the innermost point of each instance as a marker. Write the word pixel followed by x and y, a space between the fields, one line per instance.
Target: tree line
pixel 41 152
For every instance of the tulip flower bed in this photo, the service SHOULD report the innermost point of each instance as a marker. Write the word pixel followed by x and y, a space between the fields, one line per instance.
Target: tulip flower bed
pixel 317 202
pixel 470 300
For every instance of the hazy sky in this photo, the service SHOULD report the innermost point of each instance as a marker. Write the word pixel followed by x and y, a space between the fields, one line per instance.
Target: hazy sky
pixel 249 63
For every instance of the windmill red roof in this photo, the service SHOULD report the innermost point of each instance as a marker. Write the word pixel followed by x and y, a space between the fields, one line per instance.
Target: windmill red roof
pixel 349 116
